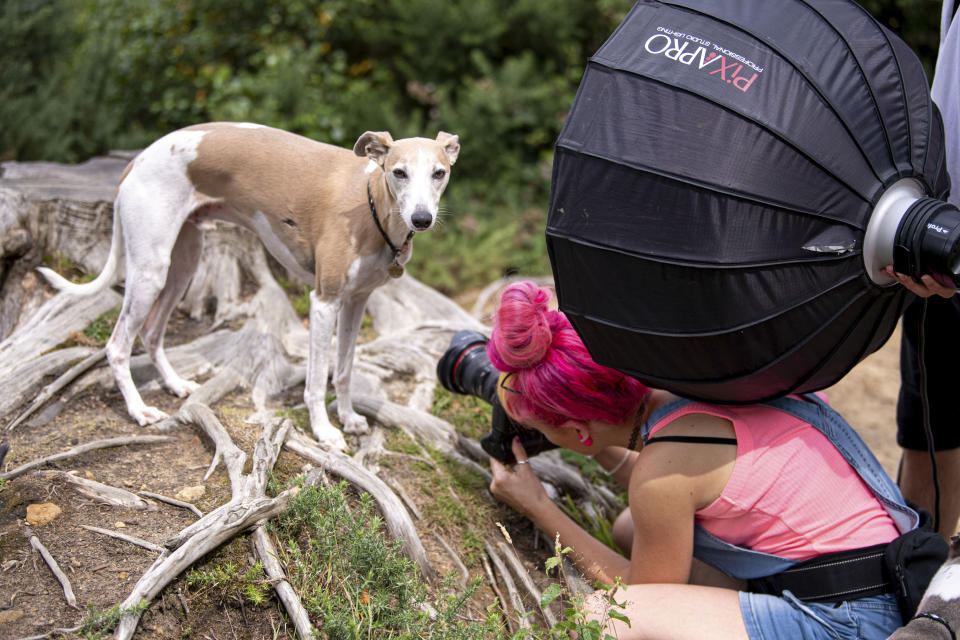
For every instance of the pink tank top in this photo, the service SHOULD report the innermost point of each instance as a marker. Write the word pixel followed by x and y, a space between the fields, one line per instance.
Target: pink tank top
pixel 791 493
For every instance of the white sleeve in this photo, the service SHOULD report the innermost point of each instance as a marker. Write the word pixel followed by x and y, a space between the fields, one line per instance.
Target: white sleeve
pixel 946 93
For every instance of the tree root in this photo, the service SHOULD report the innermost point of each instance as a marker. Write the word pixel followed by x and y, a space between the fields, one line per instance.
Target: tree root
pixel 83 448
pixel 247 508
pixel 54 567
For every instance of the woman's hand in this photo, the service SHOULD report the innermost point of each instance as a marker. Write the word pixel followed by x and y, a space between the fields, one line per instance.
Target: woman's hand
pixel 925 288
pixel 517 486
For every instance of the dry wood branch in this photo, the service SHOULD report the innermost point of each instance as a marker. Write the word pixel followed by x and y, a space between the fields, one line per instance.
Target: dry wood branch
pixel 54 567
pixel 515 601
pixel 221 525
pixel 247 508
pixel 464 574
pixel 84 448
pixel 54 632
pixel 510 555
pixel 173 501
pixel 224 449
pixel 493 585
pixel 398 489
pixel 58 385
pixel 398 521
pixel 267 553
pixel 103 493
pixel 140 542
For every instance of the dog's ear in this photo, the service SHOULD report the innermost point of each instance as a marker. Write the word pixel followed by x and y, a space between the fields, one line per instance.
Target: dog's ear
pixel 451 145
pixel 373 145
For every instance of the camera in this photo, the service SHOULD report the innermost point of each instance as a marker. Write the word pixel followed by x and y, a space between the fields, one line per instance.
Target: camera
pixel 465 369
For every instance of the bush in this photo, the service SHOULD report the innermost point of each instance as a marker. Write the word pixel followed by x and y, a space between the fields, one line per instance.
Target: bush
pixel 82 77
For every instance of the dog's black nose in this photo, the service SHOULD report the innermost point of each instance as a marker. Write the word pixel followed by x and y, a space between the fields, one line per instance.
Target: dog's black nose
pixel 421 219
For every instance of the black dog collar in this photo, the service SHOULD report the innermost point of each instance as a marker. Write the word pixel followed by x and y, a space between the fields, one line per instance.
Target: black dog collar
pixel 395 269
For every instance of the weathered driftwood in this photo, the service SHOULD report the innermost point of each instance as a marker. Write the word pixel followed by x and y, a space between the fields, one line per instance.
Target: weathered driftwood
pixel 267 553
pixel 395 516
pixel 140 542
pixel 509 554
pixel 173 501
pixel 462 573
pixel 247 508
pixel 57 385
pixel 54 567
pixel 501 601
pixel 102 493
pixel 49 209
pixel 516 602
pixel 484 300
pixel 83 448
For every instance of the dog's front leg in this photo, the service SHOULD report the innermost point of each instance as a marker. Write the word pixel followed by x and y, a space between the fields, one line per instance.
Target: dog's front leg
pixel 323 316
pixel 348 327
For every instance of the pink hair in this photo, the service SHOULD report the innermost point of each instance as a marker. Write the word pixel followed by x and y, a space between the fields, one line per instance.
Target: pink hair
pixel 555 376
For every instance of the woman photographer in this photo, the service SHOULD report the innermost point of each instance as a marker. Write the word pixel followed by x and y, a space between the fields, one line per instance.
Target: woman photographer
pixel 752 490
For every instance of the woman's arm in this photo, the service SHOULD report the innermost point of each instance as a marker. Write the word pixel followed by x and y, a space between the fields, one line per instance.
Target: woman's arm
pixel 521 489
pixel 670 482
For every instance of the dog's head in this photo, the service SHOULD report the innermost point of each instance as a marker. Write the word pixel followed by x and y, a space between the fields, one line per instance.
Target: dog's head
pixel 416 171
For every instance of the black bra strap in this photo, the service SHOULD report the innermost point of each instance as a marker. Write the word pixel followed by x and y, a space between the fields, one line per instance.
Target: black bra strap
pixel 695 439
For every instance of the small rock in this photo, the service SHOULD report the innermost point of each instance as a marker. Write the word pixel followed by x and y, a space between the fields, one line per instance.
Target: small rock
pixel 41 514
pixel 10 615
pixel 123 575
pixel 190 494
pixel 120 524
pixel 89 475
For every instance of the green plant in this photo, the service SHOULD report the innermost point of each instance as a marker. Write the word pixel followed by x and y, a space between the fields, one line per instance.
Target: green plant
pixel 352 581
pixel 574 613
pixel 225 581
pixel 592 521
pixel 98 623
pixel 100 329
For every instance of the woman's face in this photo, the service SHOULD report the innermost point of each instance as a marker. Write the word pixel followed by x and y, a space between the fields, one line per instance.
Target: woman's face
pixel 565 435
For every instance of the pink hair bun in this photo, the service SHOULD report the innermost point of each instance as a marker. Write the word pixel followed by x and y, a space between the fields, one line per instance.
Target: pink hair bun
pixel 523 331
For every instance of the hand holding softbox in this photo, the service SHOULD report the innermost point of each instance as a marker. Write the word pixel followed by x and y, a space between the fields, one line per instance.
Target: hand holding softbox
pixel 728 185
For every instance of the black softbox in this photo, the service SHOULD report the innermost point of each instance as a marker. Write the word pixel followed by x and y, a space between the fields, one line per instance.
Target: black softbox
pixel 721 170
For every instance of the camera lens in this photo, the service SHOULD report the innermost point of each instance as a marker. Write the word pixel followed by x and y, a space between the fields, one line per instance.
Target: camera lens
pixel 465 368
pixel 928 241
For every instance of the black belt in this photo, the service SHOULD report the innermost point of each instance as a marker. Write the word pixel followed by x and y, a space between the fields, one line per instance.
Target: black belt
pixel 833 577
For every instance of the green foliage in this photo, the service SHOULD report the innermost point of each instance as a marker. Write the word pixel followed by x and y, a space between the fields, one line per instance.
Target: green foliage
pixel 98 624
pixel 469 415
pixel 354 582
pixel 100 329
pixel 82 77
pixel 224 580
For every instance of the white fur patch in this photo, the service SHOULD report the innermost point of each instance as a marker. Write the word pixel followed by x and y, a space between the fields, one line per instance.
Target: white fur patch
pixel 371 166
pixel 945 584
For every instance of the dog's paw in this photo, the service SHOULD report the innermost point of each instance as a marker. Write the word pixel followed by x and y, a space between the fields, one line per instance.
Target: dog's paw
pixel 355 424
pixel 330 438
pixel 182 387
pixel 149 415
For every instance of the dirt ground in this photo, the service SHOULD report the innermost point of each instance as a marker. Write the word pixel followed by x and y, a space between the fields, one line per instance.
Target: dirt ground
pixel 103 570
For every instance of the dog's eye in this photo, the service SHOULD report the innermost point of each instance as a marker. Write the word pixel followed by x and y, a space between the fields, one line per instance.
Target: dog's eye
pixel 438 174
pixel 400 174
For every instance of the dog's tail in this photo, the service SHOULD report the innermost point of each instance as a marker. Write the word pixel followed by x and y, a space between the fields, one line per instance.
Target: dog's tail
pixel 106 277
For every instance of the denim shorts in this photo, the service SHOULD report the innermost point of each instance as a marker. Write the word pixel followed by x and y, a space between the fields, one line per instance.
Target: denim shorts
pixel 770 617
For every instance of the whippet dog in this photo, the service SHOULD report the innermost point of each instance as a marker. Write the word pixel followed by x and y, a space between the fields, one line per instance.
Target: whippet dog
pixel 338 220
pixel 938 615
